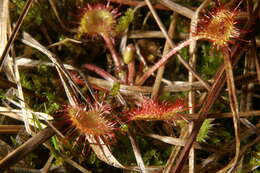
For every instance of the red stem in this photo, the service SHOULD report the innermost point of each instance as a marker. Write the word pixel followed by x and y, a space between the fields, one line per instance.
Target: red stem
pixel 100 72
pixel 116 57
pixel 163 60
pixel 131 72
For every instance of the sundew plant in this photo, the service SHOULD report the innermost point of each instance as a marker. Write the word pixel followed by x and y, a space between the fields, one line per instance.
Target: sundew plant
pixel 130 86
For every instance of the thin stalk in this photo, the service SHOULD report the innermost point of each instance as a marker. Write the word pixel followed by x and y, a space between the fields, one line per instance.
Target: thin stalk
pixel 115 56
pixel 100 72
pixel 164 59
pixel 27 147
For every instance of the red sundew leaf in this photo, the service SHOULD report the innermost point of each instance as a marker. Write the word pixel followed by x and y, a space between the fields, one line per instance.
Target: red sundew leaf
pixel 92 120
pixel 218 26
pixel 153 110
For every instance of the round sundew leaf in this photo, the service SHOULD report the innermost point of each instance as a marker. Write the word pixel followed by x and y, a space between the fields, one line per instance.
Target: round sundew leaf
pixel 97 20
pixel 93 121
pixel 219 26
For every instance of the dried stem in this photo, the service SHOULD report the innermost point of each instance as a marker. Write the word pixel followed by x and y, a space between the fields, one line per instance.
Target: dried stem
pixel 233 103
pixel 10 129
pixel 178 8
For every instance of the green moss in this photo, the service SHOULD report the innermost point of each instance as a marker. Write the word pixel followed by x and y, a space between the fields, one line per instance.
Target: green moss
pixel 152 157
pixel 184 53
pixel 125 21
pixel 33 17
pixel 115 89
pixel 205 130
pixel 209 61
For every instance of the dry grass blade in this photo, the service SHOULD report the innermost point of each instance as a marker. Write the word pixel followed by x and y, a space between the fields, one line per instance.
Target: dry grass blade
pixel 233 105
pixel 175 151
pixel 13 129
pixel 218 155
pixel 66 159
pixel 58 64
pixel 15 31
pixel 209 100
pixel 22 99
pixel 3 23
pixel 17 114
pixel 172 141
pixel 20 152
pixel 137 153
pixel 47 165
pixel 103 152
pixel 178 8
